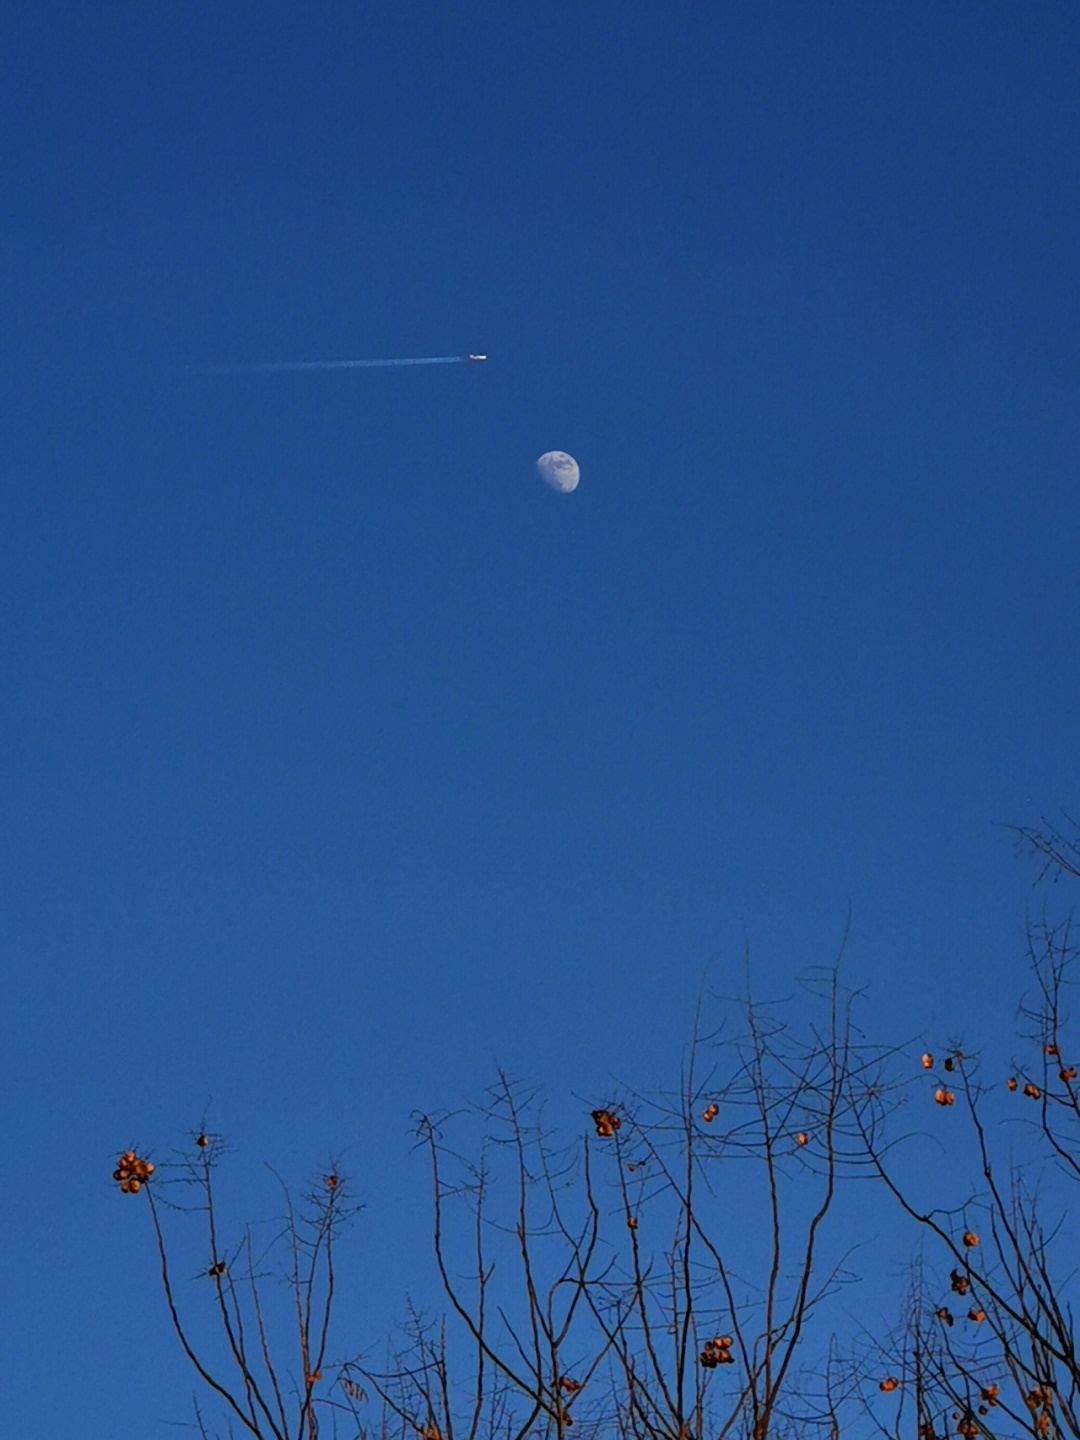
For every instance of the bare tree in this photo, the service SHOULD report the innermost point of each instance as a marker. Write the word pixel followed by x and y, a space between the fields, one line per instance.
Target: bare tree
pixel 990 1348
pixel 668 1270
pixel 1060 853
pixel 634 1297
pixel 265 1394
pixel 664 1274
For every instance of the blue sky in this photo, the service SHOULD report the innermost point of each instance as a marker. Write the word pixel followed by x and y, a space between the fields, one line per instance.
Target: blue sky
pixel 343 760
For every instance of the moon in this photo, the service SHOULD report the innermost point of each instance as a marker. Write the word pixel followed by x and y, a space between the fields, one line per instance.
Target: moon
pixel 559 470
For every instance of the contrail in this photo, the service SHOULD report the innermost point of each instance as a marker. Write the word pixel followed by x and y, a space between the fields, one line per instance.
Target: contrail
pixel 287 367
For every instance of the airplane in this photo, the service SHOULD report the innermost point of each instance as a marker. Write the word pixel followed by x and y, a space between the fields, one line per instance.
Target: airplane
pixel 477 357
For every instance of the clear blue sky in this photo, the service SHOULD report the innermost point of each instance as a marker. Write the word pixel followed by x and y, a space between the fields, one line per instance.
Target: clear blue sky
pixel 342 759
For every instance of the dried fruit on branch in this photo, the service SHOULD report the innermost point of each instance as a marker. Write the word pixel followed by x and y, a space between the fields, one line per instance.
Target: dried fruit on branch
pixel 717 1351
pixel 132 1172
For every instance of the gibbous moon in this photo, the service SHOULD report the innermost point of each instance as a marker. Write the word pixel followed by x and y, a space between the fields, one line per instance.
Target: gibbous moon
pixel 559 470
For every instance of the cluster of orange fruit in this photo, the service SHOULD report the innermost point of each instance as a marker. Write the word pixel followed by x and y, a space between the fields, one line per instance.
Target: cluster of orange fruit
pixel 606 1122
pixel 717 1352
pixel 966 1424
pixel 942 1095
pixel 710 1112
pixel 1041 1399
pixel 958 1282
pixel 889 1384
pixel 571 1387
pixel 132 1172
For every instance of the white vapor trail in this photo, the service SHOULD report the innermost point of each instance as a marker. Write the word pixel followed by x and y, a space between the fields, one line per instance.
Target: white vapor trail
pixel 286 367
